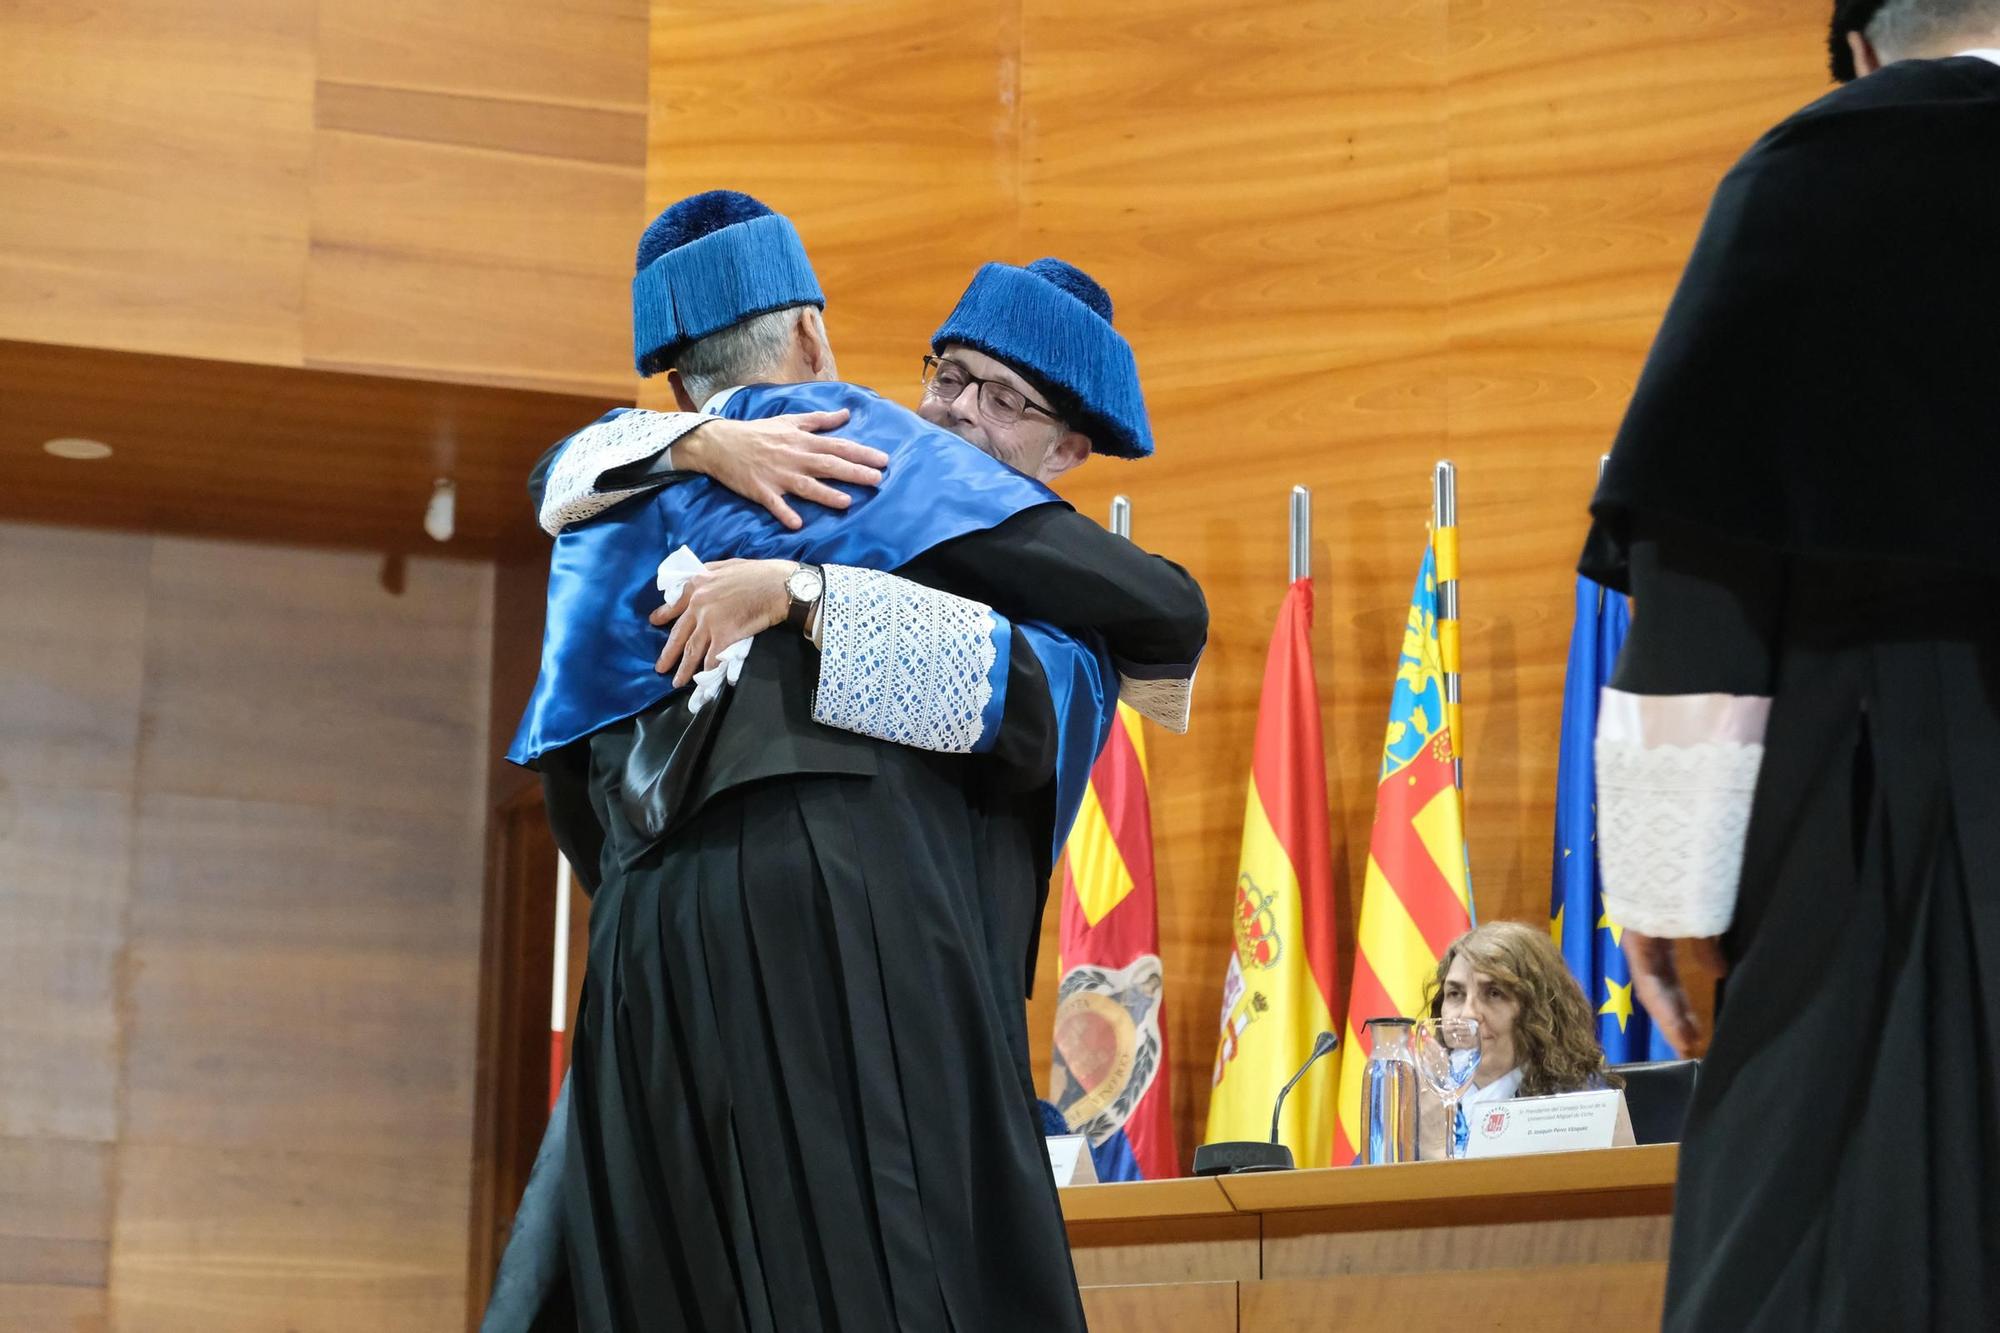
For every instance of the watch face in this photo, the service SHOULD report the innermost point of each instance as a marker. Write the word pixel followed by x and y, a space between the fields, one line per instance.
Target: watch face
pixel 803 585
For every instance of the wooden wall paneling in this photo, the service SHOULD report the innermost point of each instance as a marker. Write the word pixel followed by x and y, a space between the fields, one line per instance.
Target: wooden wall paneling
pixel 298 1065
pixel 1585 140
pixel 1587 1300
pixel 435 189
pixel 583 54
pixel 215 1239
pixel 477 184
pixel 498 265
pixel 69 716
pixel 1262 191
pixel 155 160
pixel 889 132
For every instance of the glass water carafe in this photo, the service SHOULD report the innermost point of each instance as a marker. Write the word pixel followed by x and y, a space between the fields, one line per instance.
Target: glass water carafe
pixel 1389 1093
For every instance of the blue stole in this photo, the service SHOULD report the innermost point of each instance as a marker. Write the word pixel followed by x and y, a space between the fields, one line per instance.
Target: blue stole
pixel 598 649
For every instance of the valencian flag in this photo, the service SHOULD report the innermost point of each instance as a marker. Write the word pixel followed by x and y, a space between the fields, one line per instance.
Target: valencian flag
pixel 1109 1072
pixel 1585 933
pixel 1278 991
pixel 1415 900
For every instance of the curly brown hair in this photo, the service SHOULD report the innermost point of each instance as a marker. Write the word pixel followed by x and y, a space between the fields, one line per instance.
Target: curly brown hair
pixel 1555 1034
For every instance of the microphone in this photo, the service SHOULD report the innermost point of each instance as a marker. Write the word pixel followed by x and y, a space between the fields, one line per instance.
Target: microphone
pixel 1234 1157
pixel 1325 1042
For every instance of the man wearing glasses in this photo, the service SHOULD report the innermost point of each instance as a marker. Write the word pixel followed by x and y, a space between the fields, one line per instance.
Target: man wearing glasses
pixel 884 827
pixel 998 380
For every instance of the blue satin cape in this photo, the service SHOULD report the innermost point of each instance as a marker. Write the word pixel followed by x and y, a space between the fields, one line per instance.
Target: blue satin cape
pixel 598 649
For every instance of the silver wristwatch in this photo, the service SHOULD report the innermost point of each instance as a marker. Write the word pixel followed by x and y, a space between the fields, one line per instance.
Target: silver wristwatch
pixel 804 586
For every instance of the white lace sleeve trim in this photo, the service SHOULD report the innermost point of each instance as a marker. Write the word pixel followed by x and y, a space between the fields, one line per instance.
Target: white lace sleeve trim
pixel 902 662
pixel 1672 814
pixel 1167 702
pixel 571 495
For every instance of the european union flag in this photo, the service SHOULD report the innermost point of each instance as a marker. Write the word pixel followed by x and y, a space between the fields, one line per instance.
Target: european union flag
pixel 1587 936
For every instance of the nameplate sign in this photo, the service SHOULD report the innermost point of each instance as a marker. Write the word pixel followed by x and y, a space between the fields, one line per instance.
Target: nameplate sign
pixel 1070 1160
pixel 1567 1123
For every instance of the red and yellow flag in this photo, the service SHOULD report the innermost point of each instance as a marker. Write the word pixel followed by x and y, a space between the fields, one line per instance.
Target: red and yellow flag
pixel 1109 1074
pixel 1415 900
pixel 1278 992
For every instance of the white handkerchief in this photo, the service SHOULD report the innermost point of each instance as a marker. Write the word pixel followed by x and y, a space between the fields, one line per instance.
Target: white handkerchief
pixel 674 573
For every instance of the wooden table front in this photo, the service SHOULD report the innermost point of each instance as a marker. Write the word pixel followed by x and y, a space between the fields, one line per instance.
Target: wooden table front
pixel 1552 1242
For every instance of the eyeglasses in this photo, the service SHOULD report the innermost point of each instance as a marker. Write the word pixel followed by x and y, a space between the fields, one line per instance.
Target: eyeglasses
pixel 1002 404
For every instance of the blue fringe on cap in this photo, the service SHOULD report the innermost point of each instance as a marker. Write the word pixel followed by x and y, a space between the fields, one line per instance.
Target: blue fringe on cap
pixel 710 261
pixel 1051 321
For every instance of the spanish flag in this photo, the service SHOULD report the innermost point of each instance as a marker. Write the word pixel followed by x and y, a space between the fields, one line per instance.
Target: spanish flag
pixel 1277 994
pixel 1415 900
pixel 1109 1072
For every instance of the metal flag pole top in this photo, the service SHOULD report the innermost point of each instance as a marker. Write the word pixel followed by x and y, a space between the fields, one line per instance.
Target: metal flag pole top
pixel 1121 517
pixel 1302 533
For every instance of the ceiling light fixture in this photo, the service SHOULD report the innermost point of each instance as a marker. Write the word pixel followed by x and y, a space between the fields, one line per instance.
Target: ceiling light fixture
pixel 441 514
pixel 77 448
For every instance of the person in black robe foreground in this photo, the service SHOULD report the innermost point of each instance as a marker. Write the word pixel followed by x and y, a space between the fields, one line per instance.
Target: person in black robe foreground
pixel 817 1098
pixel 1799 752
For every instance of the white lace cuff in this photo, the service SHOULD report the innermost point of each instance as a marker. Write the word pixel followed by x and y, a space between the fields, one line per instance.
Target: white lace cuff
pixel 1165 695
pixel 1675 778
pixel 909 664
pixel 570 494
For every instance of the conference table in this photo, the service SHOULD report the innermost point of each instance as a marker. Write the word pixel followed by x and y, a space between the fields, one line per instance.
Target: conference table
pixel 1554 1241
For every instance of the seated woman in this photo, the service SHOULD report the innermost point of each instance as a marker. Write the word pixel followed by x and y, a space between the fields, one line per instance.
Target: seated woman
pixel 1537 1035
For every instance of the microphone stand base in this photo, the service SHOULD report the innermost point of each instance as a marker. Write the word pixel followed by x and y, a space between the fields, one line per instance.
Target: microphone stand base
pixel 1239 1157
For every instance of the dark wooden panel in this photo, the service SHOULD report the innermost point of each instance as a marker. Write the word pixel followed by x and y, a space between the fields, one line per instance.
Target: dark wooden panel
pixel 283 675
pixel 515 984
pixel 239 978
pixel 302 457
pixel 70 705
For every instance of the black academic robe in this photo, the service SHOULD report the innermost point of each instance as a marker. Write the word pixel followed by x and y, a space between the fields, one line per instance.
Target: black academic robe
pixel 800 1073
pixel 1841 1165
pixel 1798 502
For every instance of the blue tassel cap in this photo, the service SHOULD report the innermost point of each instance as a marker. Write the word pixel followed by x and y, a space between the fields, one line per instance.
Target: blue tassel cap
pixel 710 261
pixel 1052 321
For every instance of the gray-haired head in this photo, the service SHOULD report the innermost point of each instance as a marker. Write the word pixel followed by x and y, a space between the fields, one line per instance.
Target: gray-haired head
pixel 1912 29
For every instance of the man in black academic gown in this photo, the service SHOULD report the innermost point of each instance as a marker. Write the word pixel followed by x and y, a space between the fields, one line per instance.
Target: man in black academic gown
pixel 776 1206
pixel 1799 752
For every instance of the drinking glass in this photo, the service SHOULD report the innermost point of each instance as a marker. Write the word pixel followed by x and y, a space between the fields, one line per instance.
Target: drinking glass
pixel 1447 1056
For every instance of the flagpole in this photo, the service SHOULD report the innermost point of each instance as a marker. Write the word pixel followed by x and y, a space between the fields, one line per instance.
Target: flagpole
pixel 559 984
pixel 1603 462
pixel 1444 544
pixel 1302 533
pixel 1444 540
pixel 1121 517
